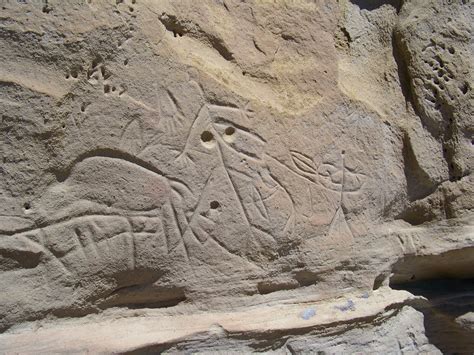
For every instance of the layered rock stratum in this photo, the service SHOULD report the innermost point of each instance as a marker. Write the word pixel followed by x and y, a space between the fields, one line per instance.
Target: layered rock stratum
pixel 235 176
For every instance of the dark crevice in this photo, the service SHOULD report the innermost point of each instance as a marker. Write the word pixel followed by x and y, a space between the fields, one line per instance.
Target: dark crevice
pixel 307 278
pixel 346 35
pixel 418 213
pixel 266 287
pixel 379 281
pixel 375 4
pixel 219 46
pixel 419 184
pixel 402 68
pixel 144 295
pixel 457 263
pixel 448 299
pixel 173 25
pixel 451 133
pixel 289 37
pixel 447 281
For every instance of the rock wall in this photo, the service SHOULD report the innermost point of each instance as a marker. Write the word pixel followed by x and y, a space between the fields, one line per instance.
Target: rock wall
pixel 194 158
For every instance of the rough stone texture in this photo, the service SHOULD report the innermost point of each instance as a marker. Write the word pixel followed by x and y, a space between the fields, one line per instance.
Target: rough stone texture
pixel 205 157
pixel 466 320
pixel 283 329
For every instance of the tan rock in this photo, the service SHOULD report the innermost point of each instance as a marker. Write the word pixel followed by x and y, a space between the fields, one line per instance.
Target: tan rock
pixel 185 157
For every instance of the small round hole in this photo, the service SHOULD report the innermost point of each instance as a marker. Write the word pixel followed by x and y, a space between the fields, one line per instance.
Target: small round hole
pixel 26 205
pixel 214 205
pixel 451 50
pixel 229 131
pixel 207 136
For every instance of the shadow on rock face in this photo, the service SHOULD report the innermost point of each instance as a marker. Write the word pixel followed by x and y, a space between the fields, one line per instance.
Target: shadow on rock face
pixel 448 299
pixel 374 4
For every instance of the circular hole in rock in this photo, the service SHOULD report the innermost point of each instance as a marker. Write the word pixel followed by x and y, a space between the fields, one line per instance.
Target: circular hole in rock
pixel 229 131
pixel 214 205
pixel 207 136
pixel 26 205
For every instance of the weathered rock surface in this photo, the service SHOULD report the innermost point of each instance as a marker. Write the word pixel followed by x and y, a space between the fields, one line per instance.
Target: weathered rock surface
pixel 340 326
pixel 213 163
pixel 466 320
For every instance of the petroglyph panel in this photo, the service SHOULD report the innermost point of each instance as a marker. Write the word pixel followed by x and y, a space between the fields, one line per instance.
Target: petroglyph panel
pixel 152 156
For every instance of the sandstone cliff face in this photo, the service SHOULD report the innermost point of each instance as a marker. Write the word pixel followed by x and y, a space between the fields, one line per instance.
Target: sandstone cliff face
pixel 231 175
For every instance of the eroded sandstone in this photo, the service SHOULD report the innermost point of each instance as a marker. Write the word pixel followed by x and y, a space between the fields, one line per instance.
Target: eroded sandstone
pixel 205 158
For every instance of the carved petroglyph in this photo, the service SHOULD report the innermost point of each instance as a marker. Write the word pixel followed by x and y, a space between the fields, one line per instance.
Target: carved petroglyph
pixel 91 243
pixel 239 157
pixel 334 175
pixel 240 189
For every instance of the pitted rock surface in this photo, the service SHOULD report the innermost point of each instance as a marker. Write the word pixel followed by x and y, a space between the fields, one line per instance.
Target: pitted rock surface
pixel 211 156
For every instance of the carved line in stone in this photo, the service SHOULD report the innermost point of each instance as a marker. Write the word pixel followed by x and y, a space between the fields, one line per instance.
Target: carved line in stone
pixel 307 170
pixel 84 240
